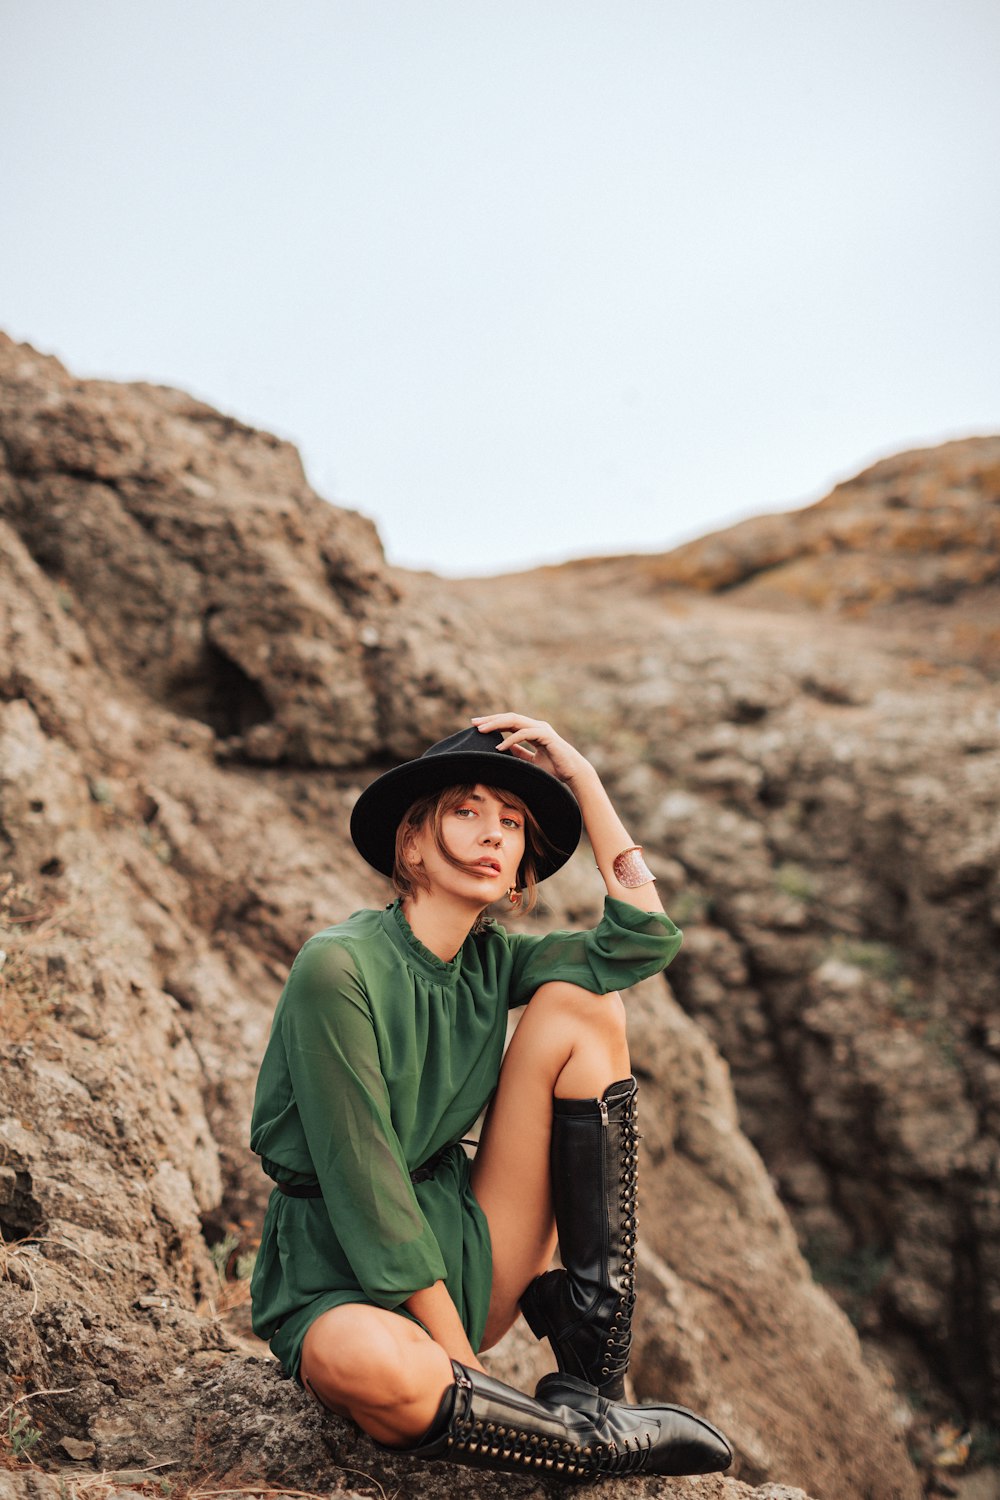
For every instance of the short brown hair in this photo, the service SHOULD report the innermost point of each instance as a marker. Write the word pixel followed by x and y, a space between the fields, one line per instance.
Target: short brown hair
pixel 430 811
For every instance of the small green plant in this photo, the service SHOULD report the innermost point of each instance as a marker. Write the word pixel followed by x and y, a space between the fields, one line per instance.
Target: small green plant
pixel 792 880
pixel 221 1251
pixel 156 844
pixel 21 1435
pixel 245 1265
pixel 881 960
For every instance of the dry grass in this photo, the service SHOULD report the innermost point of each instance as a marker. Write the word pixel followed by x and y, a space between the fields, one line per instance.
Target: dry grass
pixel 14 1267
pixel 156 1486
pixel 18 1436
pixel 155 1483
pixel 231 1295
pixel 28 993
pixel 233 1258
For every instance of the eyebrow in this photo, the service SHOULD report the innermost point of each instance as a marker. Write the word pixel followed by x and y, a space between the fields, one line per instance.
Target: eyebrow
pixel 478 797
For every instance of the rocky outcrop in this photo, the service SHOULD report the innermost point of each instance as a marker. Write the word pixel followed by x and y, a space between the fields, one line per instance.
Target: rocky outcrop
pixel 820 798
pixel 920 525
pixel 193 686
pixel 210 574
pixel 725 1287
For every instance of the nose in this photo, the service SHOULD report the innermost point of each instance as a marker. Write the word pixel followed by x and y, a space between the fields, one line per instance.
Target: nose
pixel 493 836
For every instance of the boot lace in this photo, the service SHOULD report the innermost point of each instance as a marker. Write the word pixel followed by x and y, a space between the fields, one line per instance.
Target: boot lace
pixel 487 1442
pixel 619 1339
pixel 626 1457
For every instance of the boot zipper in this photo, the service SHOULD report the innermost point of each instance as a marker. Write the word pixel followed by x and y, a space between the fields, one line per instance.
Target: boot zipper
pixel 605 1189
pixel 465 1398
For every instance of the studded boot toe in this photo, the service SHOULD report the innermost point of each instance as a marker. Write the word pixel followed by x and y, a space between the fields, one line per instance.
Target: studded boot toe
pixel 573 1434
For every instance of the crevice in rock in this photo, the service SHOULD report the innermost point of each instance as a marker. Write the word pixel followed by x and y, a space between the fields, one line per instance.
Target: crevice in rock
pixel 958 1356
pixel 221 694
pixel 971 1363
pixel 20 1211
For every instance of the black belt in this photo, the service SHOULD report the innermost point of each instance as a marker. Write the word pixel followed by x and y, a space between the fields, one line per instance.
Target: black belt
pixel 422 1173
pixel 430 1166
pixel 301 1190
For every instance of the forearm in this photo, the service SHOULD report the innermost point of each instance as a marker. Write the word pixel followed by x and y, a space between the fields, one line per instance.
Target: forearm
pixel 439 1315
pixel 534 740
pixel 608 837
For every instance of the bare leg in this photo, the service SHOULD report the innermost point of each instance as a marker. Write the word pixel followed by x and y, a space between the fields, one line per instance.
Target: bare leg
pixel 378 1368
pixel 569 1043
pixel 364 1362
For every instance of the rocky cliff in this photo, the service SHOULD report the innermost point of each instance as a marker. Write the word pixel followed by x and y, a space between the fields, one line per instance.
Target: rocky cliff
pixel 804 722
pixel 200 665
pixel 923 525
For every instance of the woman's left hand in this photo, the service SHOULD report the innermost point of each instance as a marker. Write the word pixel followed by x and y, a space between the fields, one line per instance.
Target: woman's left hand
pixel 535 741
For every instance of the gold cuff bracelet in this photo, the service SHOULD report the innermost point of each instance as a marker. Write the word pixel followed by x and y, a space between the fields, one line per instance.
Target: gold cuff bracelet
pixel 630 869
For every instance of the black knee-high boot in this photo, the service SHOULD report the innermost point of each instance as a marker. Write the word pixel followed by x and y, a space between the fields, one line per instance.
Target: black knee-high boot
pixel 567 1430
pixel 585 1311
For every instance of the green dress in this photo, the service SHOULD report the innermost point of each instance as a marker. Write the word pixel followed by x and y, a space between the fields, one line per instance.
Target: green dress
pixel 380 1055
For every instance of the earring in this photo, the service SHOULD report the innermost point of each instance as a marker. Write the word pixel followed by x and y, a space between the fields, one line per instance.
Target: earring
pixel 513 895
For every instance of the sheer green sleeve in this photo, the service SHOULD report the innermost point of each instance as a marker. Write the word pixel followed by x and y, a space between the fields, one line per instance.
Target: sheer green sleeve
pixel 344 1108
pixel 627 945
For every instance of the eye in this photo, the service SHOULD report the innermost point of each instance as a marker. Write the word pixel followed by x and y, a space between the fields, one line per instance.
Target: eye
pixel 461 812
pixel 511 822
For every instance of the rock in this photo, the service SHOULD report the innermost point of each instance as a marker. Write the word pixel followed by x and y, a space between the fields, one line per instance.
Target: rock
pixel 77 1448
pixel 733 1325
pixel 243 1412
pixel 209 572
pixel 839 892
pixel 922 525
pixel 201 663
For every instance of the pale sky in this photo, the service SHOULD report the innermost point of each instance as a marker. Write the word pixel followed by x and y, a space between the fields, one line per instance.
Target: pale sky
pixel 523 279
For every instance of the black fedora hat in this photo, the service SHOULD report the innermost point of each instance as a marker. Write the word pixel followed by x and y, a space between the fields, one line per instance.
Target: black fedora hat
pixel 467 758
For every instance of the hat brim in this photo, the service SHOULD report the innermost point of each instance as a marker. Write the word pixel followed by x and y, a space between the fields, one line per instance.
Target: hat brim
pixel 382 806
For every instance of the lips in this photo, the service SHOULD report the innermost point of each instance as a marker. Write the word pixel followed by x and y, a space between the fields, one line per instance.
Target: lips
pixel 492 866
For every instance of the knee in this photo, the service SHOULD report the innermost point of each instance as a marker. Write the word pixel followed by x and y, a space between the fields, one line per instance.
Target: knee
pixel 604 1015
pixel 357 1356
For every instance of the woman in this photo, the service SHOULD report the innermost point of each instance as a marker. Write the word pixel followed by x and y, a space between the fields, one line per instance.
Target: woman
pixel 388 1260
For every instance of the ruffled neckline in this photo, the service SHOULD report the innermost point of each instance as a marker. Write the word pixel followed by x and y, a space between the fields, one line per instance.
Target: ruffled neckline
pixel 416 954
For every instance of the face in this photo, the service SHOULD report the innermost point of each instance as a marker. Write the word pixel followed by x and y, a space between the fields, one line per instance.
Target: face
pixel 486 835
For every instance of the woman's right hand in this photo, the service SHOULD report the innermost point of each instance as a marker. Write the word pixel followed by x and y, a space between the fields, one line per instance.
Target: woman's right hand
pixel 536 741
